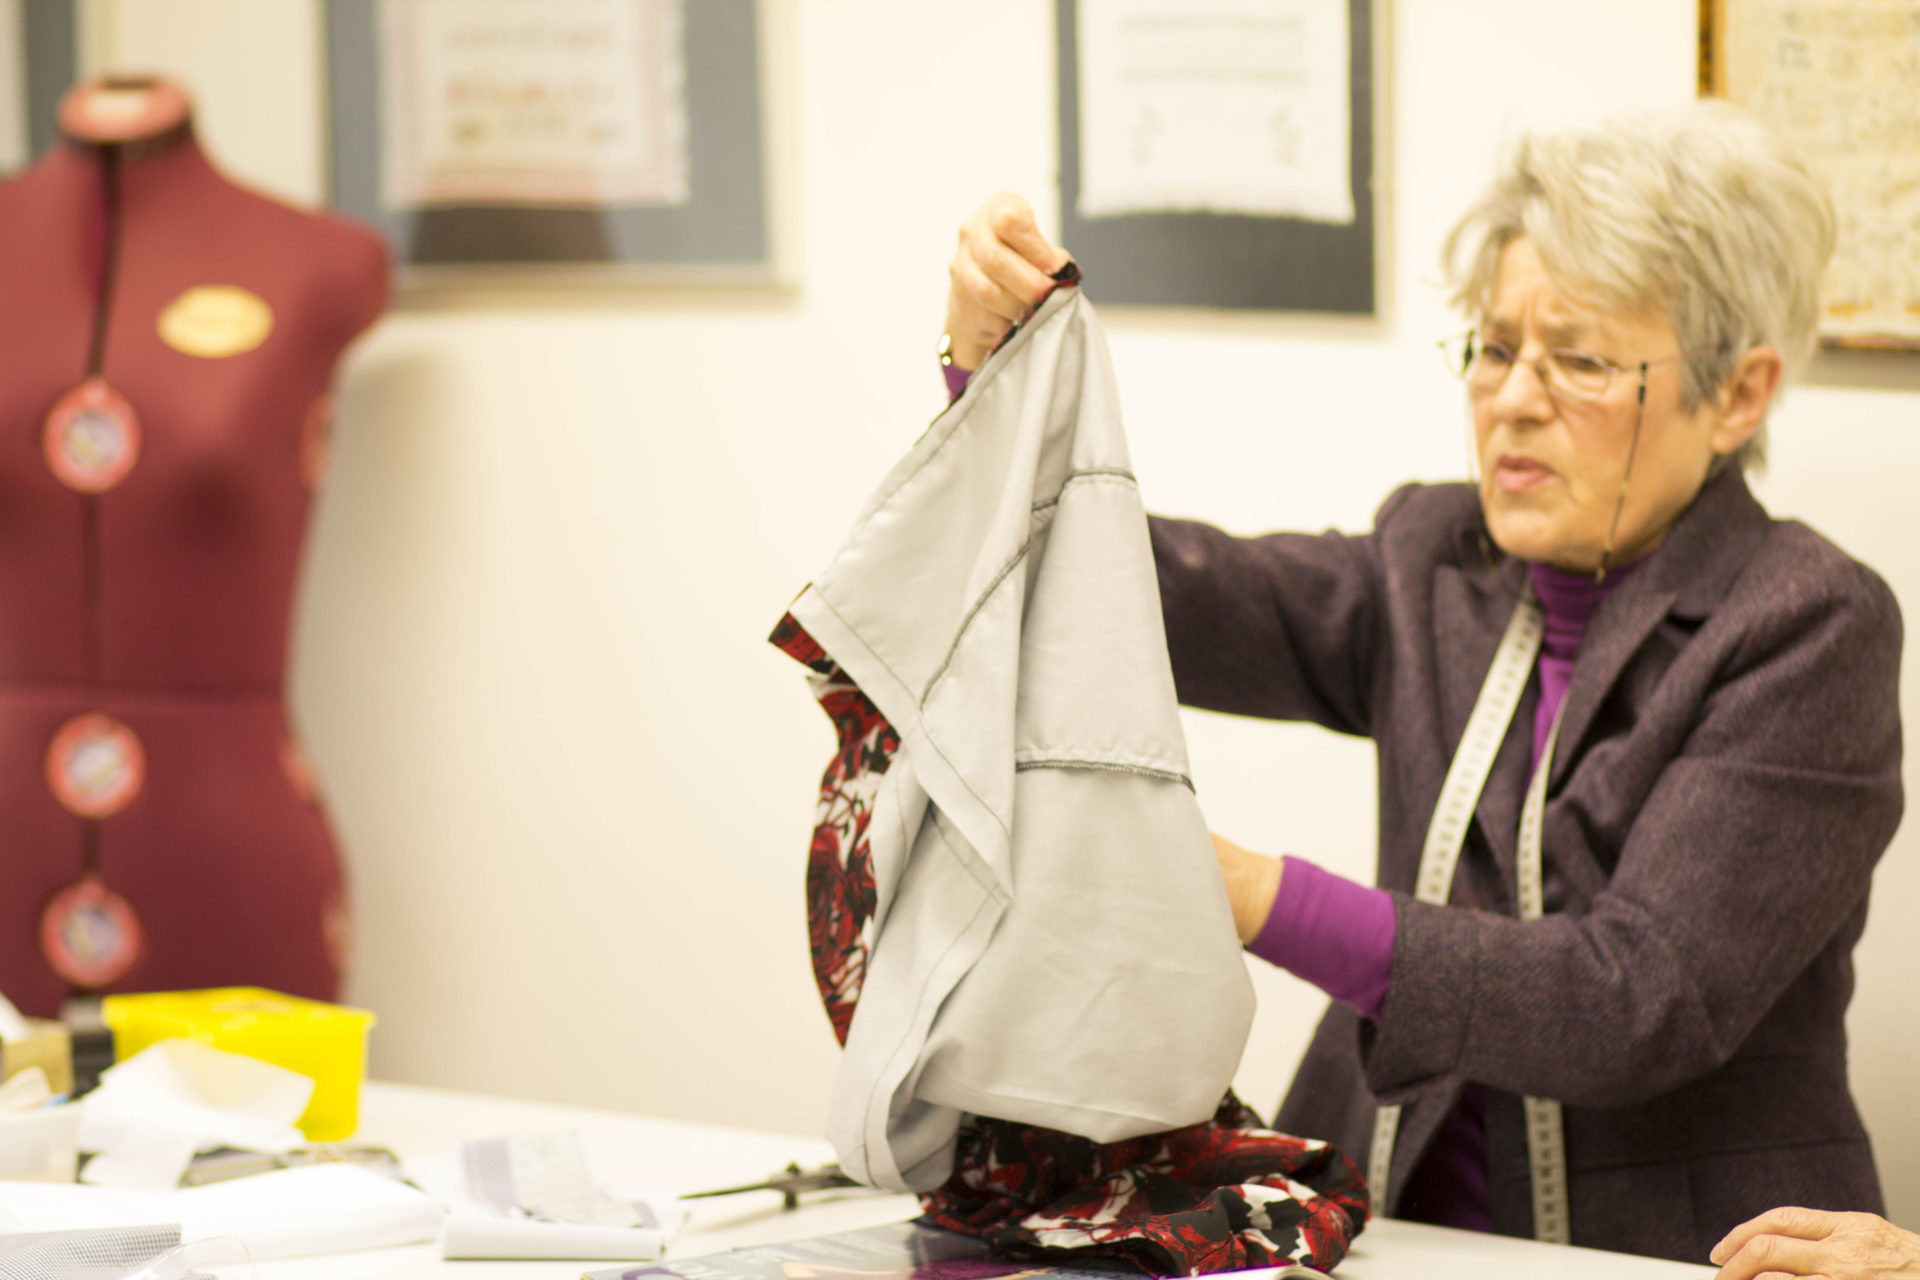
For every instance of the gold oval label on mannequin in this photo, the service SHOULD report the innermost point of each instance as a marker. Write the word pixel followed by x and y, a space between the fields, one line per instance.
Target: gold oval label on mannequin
pixel 214 321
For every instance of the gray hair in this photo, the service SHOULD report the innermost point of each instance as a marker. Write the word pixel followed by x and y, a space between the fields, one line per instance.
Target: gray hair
pixel 1699 213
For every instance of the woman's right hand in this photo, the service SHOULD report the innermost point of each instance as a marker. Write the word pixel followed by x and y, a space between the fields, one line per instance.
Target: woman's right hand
pixel 1253 882
pixel 1808 1242
pixel 999 274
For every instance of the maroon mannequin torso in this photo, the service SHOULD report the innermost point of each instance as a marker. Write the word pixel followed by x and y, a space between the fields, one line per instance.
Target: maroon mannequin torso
pixel 163 602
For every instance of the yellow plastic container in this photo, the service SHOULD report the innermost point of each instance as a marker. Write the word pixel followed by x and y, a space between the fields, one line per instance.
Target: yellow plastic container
pixel 327 1042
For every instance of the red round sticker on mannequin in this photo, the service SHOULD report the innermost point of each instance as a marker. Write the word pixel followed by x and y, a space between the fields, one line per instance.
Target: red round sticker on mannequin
pixel 336 925
pixel 95 766
pixel 90 934
pixel 299 771
pixel 91 438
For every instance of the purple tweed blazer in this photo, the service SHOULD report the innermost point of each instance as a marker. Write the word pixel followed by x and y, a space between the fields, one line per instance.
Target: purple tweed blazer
pixel 1727 775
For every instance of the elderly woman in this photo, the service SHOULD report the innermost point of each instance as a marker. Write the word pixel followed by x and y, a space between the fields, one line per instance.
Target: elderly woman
pixel 1638 742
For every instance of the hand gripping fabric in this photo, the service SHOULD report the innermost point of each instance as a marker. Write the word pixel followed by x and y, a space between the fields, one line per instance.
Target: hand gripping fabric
pixel 988 644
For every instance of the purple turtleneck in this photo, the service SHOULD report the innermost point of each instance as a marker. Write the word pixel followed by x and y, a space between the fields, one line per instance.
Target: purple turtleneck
pixel 1567 600
pixel 1338 934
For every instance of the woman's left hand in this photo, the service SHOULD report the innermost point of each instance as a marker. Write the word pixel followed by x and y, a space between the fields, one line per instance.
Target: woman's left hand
pixel 1810 1242
pixel 1253 882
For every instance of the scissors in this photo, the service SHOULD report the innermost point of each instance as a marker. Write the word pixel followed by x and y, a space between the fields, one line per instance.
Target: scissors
pixel 791 1182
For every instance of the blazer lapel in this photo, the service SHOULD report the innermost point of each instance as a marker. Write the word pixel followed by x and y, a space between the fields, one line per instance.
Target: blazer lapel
pixel 1619 627
pixel 1686 575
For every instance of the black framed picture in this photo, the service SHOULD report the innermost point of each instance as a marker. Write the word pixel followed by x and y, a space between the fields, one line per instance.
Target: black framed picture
pixel 612 139
pixel 1220 155
pixel 38 62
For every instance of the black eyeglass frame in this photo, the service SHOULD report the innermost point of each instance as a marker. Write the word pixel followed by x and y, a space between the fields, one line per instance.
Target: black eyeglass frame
pixel 1539 366
pixel 1473 344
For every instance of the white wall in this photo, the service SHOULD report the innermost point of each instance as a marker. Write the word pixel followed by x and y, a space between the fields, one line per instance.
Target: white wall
pixel 574 783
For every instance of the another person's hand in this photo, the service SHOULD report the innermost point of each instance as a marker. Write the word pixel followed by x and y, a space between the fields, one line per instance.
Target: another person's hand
pixel 1253 882
pixel 1810 1242
pixel 998 275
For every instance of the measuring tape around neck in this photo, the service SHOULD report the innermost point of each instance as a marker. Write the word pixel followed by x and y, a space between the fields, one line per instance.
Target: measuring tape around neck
pixel 1446 833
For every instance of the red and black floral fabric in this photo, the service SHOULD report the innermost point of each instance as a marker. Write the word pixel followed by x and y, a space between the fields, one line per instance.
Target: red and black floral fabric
pixel 840 890
pixel 1224 1195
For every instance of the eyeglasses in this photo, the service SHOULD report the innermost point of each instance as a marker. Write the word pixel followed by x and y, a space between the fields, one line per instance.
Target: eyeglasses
pixel 1577 376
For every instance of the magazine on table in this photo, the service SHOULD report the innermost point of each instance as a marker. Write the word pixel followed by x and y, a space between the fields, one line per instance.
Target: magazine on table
pixel 898 1251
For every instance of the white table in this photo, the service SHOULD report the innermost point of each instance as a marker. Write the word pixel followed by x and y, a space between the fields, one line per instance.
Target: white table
pixel 638 1151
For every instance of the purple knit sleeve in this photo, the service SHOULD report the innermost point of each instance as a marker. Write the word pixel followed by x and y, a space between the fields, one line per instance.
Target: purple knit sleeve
pixel 1329 931
pixel 957 379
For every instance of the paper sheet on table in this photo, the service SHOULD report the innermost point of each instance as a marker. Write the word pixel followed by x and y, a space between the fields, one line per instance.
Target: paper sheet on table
pixel 292 1213
pixel 500 1217
pixel 153 1111
pixel 93 1253
pixel 1232 106
pixel 25 1091
pixel 478 1236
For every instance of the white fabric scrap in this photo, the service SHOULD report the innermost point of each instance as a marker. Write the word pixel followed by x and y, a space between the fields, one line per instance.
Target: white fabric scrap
pixel 25 1091
pixel 152 1112
pixel 291 1213
pixel 13 1027
pixel 534 1197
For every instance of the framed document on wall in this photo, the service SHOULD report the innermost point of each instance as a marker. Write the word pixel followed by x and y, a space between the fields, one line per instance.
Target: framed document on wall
pixel 1840 81
pixel 38 63
pixel 613 139
pixel 1220 155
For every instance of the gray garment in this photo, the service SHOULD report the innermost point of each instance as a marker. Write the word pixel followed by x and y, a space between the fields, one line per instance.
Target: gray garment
pixel 1728 774
pixel 85 1253
pixel 1052 941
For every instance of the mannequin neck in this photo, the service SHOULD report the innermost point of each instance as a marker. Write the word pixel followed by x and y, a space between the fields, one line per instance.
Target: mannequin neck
pixel 139 115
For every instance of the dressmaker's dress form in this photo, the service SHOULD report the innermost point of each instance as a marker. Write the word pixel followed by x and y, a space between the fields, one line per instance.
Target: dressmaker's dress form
pixel 157 826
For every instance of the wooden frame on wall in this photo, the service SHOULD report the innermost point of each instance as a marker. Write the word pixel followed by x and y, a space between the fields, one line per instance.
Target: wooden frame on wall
pixel 1840 80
